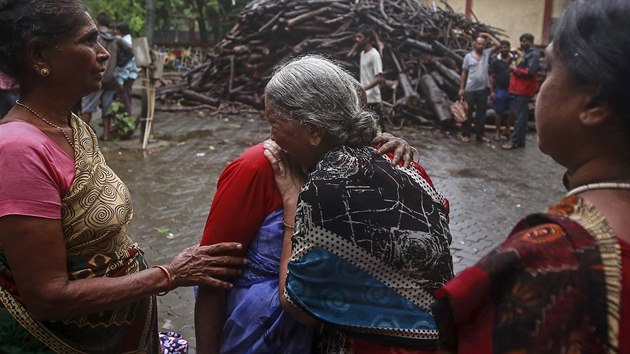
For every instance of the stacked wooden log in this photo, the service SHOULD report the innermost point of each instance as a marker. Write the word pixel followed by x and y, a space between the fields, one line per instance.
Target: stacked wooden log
pixel 422 48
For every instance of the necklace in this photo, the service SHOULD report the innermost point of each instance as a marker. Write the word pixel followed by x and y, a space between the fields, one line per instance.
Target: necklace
pixel 47 122
pixel 601 185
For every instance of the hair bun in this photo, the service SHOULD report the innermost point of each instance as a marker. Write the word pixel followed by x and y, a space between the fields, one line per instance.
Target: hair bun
pixel 363 129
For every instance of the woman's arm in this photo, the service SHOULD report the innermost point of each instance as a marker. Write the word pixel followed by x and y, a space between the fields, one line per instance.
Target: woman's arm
pixel 496 45
pixel 36 255
pixel 289 220
pixel 245 188
pixel 401 149
pixel 209 319
pixel 289 181
pixel 378 79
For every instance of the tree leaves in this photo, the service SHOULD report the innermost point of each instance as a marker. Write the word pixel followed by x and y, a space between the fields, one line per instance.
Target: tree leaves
pixel 168 13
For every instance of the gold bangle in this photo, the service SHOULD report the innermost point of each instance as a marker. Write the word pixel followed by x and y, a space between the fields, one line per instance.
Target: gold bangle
pixel 287 225
pixel 168 277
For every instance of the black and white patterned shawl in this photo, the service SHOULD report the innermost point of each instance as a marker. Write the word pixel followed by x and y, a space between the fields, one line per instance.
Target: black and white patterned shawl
pixel 388 221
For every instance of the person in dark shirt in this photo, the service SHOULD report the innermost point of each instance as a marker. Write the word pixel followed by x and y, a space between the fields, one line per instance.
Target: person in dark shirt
pixel 499 85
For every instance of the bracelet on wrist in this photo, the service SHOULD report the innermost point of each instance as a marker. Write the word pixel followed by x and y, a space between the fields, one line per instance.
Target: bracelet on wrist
pixel 292 227
pixel 169 278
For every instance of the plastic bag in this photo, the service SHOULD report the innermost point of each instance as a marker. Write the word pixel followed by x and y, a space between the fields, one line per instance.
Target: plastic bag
pixel 460 110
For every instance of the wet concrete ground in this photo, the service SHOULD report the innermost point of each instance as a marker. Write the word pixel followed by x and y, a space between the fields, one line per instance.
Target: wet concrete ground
pixel 172 184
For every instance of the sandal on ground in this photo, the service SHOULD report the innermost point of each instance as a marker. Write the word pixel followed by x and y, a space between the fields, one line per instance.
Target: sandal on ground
pixel 465 139
pixel 509 146
pixel 483 139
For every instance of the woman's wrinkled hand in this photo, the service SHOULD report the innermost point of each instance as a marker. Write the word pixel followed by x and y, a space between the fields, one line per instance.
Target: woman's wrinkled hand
pixel 399 146
pixel 207 265
pixel 289 177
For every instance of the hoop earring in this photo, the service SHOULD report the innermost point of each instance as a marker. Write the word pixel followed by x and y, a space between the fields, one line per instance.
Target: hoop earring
pixel 44 72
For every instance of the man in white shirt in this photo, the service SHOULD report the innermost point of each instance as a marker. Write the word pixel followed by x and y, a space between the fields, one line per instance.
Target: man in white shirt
pixel 371 70
pixel 475 85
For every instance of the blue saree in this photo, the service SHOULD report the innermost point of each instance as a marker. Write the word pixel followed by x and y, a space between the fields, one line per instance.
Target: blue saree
pixel 256 322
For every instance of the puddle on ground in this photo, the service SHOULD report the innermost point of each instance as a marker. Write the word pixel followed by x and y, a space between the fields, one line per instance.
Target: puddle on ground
pixel 464 173
pixel 197 134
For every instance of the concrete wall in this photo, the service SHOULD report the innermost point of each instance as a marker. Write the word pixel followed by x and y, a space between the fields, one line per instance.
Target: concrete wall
pixel 515 17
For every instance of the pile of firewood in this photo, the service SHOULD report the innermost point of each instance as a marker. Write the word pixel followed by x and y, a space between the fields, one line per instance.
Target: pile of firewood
pixel 422 48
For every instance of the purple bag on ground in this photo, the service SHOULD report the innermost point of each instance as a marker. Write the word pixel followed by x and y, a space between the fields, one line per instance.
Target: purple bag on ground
pixel 173 343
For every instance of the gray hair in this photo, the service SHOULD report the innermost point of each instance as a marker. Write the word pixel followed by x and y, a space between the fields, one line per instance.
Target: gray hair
pixel 314 91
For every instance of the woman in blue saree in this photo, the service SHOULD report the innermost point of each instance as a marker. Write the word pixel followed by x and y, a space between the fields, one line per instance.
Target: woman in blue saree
pixel 249 318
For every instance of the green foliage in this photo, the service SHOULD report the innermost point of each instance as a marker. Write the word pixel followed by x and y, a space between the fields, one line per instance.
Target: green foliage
pixel 168 13
pixel 125 124
pixel 131 11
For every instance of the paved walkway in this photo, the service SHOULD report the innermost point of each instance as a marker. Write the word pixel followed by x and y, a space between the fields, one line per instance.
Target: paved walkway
pixel 172 184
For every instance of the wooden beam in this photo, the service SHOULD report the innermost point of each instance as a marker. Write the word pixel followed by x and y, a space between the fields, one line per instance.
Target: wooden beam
pixel 546 22
pixel 468 10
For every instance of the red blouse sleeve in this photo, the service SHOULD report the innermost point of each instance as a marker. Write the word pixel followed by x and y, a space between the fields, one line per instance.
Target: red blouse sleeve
pixel 246 193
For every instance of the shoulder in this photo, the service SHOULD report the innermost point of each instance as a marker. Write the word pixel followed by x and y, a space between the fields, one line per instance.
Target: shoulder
pixel 253 159
pixel 21 142
pixel 341 163
pixel 467 59
pixel 123 43
pixel 544 241
pixel 487 54
pixel 31 156
pixel 346 167
pixel 251 164
pixel 374 53
pixel 527 234
pixel 19 137
pixel 532 54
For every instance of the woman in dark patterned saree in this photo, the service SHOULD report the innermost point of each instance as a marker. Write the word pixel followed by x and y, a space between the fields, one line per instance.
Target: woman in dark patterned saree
pixel 560 283
pixel 367 245
pixel 71 278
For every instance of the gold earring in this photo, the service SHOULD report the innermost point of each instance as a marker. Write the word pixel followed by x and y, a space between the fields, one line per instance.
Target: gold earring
pixel 44 72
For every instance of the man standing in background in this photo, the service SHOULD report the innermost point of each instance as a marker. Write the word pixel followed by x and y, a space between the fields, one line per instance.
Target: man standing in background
pixel 126 74
pixel 371 70
pixel 475 85
pixel 499 86
pixel 523 86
